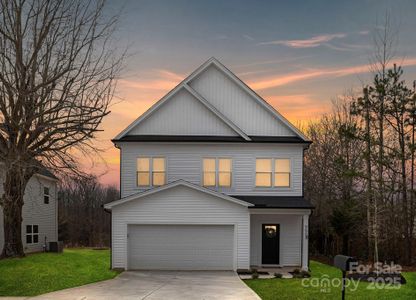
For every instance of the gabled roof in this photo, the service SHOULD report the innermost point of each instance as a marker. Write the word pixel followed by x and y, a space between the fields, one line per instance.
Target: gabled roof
pixel 185 84
pixel 168 186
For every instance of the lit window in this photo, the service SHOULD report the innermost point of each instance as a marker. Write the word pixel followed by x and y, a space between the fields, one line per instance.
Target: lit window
pixel 154 166
pixel 272 172
pixel 224 172
pixel 263 172
pixel 143 171
pixel 217 172
pixel 32 234
pixel 46 195
pixel 209 172
pixel 158 171
pixel 282 173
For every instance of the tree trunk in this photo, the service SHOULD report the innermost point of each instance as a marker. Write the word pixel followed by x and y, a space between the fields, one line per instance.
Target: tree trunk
pixel 12 203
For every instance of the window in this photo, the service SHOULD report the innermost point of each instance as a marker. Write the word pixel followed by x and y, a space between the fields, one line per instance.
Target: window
pixel 209 172
pixel 46 195
pixel 282 173
pixel 32 234
pixel 155 167
pixel 264 172
pixel 224 172
pixel 217 172
pixel 272 172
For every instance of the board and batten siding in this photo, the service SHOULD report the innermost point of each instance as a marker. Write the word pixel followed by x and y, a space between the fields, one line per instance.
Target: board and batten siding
pixel 180 205
pixel 184 161
pixel 237 105
pixel 35 212
pixel 183 115
pixel 290 238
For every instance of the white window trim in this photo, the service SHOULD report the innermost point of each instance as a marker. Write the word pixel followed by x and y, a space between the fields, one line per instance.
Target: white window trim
pixel 217 186
pixel 272 186
pixel 31 234
pixel 151 171
pixel 49 195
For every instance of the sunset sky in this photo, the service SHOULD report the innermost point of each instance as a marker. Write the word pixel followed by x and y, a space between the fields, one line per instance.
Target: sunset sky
pixel 298 55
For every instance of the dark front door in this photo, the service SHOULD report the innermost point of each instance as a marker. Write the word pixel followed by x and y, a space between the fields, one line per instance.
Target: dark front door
pixel 270 244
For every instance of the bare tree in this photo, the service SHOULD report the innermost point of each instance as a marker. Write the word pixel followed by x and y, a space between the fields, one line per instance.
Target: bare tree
pixel 57 78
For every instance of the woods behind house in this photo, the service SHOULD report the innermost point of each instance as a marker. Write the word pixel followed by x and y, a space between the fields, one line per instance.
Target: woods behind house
pixel 82 219
pixel 360 173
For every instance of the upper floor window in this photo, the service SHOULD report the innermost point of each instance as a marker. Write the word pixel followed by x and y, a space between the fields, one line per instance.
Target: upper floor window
pixel 32 234
pixel 46 195
pixel 272 172
pixel 217 172
pixel 151 171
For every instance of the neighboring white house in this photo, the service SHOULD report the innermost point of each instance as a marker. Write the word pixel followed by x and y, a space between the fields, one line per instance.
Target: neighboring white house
pixel 40 212
pixel 211 179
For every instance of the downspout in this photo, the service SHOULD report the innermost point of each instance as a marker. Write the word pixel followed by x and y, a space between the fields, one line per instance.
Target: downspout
pixel 111 236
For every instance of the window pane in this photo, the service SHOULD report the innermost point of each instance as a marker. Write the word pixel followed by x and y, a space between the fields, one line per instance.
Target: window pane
pixel 282 179
pixel 46 199
pixel 35 229
pixel 263 179
pixel 209 164
pixel 143 178
pixel 158 178
pixel 28 228
pixel 143 164
pixel 28 239
pixel 46 191
pixel 282 165
pixel 209 178
pixel 35 238
pixel 158 164
pixel 224 179
pixel 263 165
pixel 224 165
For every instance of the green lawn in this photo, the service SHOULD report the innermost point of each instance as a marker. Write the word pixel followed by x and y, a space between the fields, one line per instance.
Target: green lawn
pixel 46 272
pixel 292 288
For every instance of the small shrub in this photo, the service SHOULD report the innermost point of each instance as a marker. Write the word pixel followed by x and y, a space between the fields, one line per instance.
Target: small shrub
pixel 255 275
pixel 296 271
pixel 278 275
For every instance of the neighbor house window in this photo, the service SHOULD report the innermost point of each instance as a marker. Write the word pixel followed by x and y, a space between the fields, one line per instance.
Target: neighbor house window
pixel 46 195
pixel 151 171
pixel 272 172
pixel 217 172
pixel 32 234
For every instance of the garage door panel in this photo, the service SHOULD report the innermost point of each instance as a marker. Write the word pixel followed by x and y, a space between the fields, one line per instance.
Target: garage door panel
pixel 181 247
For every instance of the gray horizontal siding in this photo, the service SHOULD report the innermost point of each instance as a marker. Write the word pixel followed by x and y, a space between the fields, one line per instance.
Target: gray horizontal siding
pixel 180 205
pixel 290 238
pixel 35 212
pixel 184 161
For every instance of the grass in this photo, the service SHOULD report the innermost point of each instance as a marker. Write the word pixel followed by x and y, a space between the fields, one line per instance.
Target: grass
pixel 46 272
pixel 293 289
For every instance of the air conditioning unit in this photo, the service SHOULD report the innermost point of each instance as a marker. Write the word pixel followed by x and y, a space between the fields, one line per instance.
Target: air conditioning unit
pixel 56 246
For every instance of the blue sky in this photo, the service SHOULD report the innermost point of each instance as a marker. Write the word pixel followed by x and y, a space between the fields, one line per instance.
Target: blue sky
pixel 298 55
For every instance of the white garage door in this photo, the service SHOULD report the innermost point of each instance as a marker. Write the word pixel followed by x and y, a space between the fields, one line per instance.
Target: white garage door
pixel 181 247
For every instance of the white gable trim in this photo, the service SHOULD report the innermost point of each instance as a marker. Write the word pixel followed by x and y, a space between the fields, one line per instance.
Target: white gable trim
pixel 172 185
pixel 183 85
pixel 216 111
pixel 252 93
pixel 234 78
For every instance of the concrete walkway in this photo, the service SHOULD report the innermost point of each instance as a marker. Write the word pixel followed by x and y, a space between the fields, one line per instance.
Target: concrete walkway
pixel 160 285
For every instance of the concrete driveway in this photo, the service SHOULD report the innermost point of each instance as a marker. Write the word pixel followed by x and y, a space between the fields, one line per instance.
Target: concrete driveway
pixel 161 285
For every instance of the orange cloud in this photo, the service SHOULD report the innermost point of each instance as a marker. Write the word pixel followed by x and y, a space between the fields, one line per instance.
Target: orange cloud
pixel 276 81
pixel 312 42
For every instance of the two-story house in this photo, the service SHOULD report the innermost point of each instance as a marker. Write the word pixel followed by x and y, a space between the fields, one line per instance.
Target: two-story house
pixel 211 179
pixel 39 214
